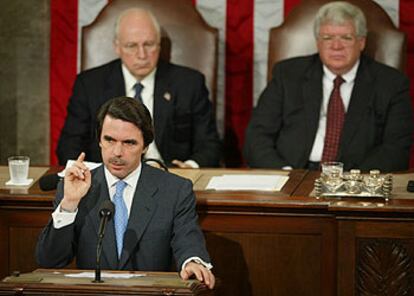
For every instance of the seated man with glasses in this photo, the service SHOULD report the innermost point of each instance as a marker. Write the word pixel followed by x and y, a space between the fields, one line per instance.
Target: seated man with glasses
pixel 185 129
pixel 337 105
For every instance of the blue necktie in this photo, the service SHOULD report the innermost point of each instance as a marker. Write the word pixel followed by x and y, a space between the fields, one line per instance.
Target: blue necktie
pixel 138 89
pixel 121 215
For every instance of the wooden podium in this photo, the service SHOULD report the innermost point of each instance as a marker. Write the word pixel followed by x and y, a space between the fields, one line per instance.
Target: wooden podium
pixel 70 282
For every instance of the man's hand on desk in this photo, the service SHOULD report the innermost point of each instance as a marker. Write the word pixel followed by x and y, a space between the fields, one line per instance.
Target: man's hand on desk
pixel 200 272
pixel 188 164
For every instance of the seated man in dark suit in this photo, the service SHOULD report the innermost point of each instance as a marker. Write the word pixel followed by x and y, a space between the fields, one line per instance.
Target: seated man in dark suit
pixel 337 105
pixel 177 97
pixel 155 214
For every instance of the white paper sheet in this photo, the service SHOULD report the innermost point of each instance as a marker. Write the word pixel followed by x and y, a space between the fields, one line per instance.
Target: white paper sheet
pixel 248 182
pixel 89 164
pixel 108 275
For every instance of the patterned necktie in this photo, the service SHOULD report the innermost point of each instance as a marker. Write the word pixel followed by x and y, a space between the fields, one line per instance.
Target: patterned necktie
pixel 121 215
pixel 334 122
pixel 138 89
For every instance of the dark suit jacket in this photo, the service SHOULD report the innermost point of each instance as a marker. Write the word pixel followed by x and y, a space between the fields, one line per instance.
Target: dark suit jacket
pixel 377 132
pixel 184 126
pixel 163 221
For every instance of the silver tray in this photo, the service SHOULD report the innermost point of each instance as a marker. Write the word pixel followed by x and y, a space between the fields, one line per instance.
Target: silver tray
pixel 354 184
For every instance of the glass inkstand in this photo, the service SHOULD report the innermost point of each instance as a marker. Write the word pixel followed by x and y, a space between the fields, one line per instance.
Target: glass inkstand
pixel 353 182
pixel 334 183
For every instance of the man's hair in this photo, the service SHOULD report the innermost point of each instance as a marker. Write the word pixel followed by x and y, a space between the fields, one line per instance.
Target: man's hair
pixel 338 13
pixel 137 10
pixel 130 110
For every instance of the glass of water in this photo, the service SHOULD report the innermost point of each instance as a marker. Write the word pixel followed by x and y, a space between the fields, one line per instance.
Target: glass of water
pixel 19 169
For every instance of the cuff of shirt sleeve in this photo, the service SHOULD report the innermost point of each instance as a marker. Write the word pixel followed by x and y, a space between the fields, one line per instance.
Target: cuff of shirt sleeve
pixel 287 168
pixel 62 218
pixel 197 260
pixel 192 164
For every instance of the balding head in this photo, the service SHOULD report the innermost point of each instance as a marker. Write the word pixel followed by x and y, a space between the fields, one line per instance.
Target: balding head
pixel 139 14
pixel 137 41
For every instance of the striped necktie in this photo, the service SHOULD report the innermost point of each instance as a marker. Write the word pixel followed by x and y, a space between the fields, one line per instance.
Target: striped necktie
pixel 138 90
pixel 334 122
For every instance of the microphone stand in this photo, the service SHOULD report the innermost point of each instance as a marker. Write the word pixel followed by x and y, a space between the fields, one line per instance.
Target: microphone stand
pixel 98 260
pixel 105 216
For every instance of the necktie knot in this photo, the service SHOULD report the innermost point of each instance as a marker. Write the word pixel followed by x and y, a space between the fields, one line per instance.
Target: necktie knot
pixel 138 90
pixel 338 81
pixel 120 186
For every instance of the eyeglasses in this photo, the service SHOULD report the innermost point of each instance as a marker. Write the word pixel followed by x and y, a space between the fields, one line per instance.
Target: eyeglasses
pixel 346 40
pixel 132 47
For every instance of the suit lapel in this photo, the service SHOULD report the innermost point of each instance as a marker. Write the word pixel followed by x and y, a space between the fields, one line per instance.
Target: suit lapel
pixel 163 102
pixel 312 95
pixel 114 83
pixel 361 97
pixel 142 210
pixel 99 191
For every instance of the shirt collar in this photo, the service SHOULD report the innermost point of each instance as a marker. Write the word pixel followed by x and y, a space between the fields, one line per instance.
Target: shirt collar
pixel 348 77
pixel 130 80
pixel 131 179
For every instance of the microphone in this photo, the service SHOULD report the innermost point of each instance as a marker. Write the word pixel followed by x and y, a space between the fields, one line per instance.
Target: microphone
pixel 49 182
pixel 106 212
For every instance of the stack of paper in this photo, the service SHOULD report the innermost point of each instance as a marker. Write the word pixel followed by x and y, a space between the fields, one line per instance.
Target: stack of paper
pixel 248 182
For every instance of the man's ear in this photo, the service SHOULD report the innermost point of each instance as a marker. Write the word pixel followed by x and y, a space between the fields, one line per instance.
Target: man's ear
pixel 363 42
pixel 117 47
pixel 145 150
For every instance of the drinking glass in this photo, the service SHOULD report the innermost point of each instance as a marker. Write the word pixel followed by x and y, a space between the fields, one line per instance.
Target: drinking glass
pixel 19 169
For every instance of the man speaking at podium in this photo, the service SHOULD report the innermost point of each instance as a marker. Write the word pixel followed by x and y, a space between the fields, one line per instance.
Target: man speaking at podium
pixel 155 217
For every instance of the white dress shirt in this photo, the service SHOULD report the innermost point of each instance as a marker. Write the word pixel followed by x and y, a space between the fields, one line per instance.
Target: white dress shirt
pixel 147 96
pixel 131 180
pixel 327 87
pixel 346 91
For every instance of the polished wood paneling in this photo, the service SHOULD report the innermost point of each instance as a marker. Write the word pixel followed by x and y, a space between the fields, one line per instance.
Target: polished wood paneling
pixel 21 228
pixel 23 213
pixel 376 257
pixel 268 243
pixel 22 245
pixel 291 252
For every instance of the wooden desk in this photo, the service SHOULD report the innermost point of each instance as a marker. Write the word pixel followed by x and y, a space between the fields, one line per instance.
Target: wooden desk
pixel 57 282
pixel 23 214
pixel 374 240
pixel 270 243
pixel 261 243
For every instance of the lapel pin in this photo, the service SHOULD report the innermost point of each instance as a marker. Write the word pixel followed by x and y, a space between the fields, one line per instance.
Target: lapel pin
pixel 167 96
